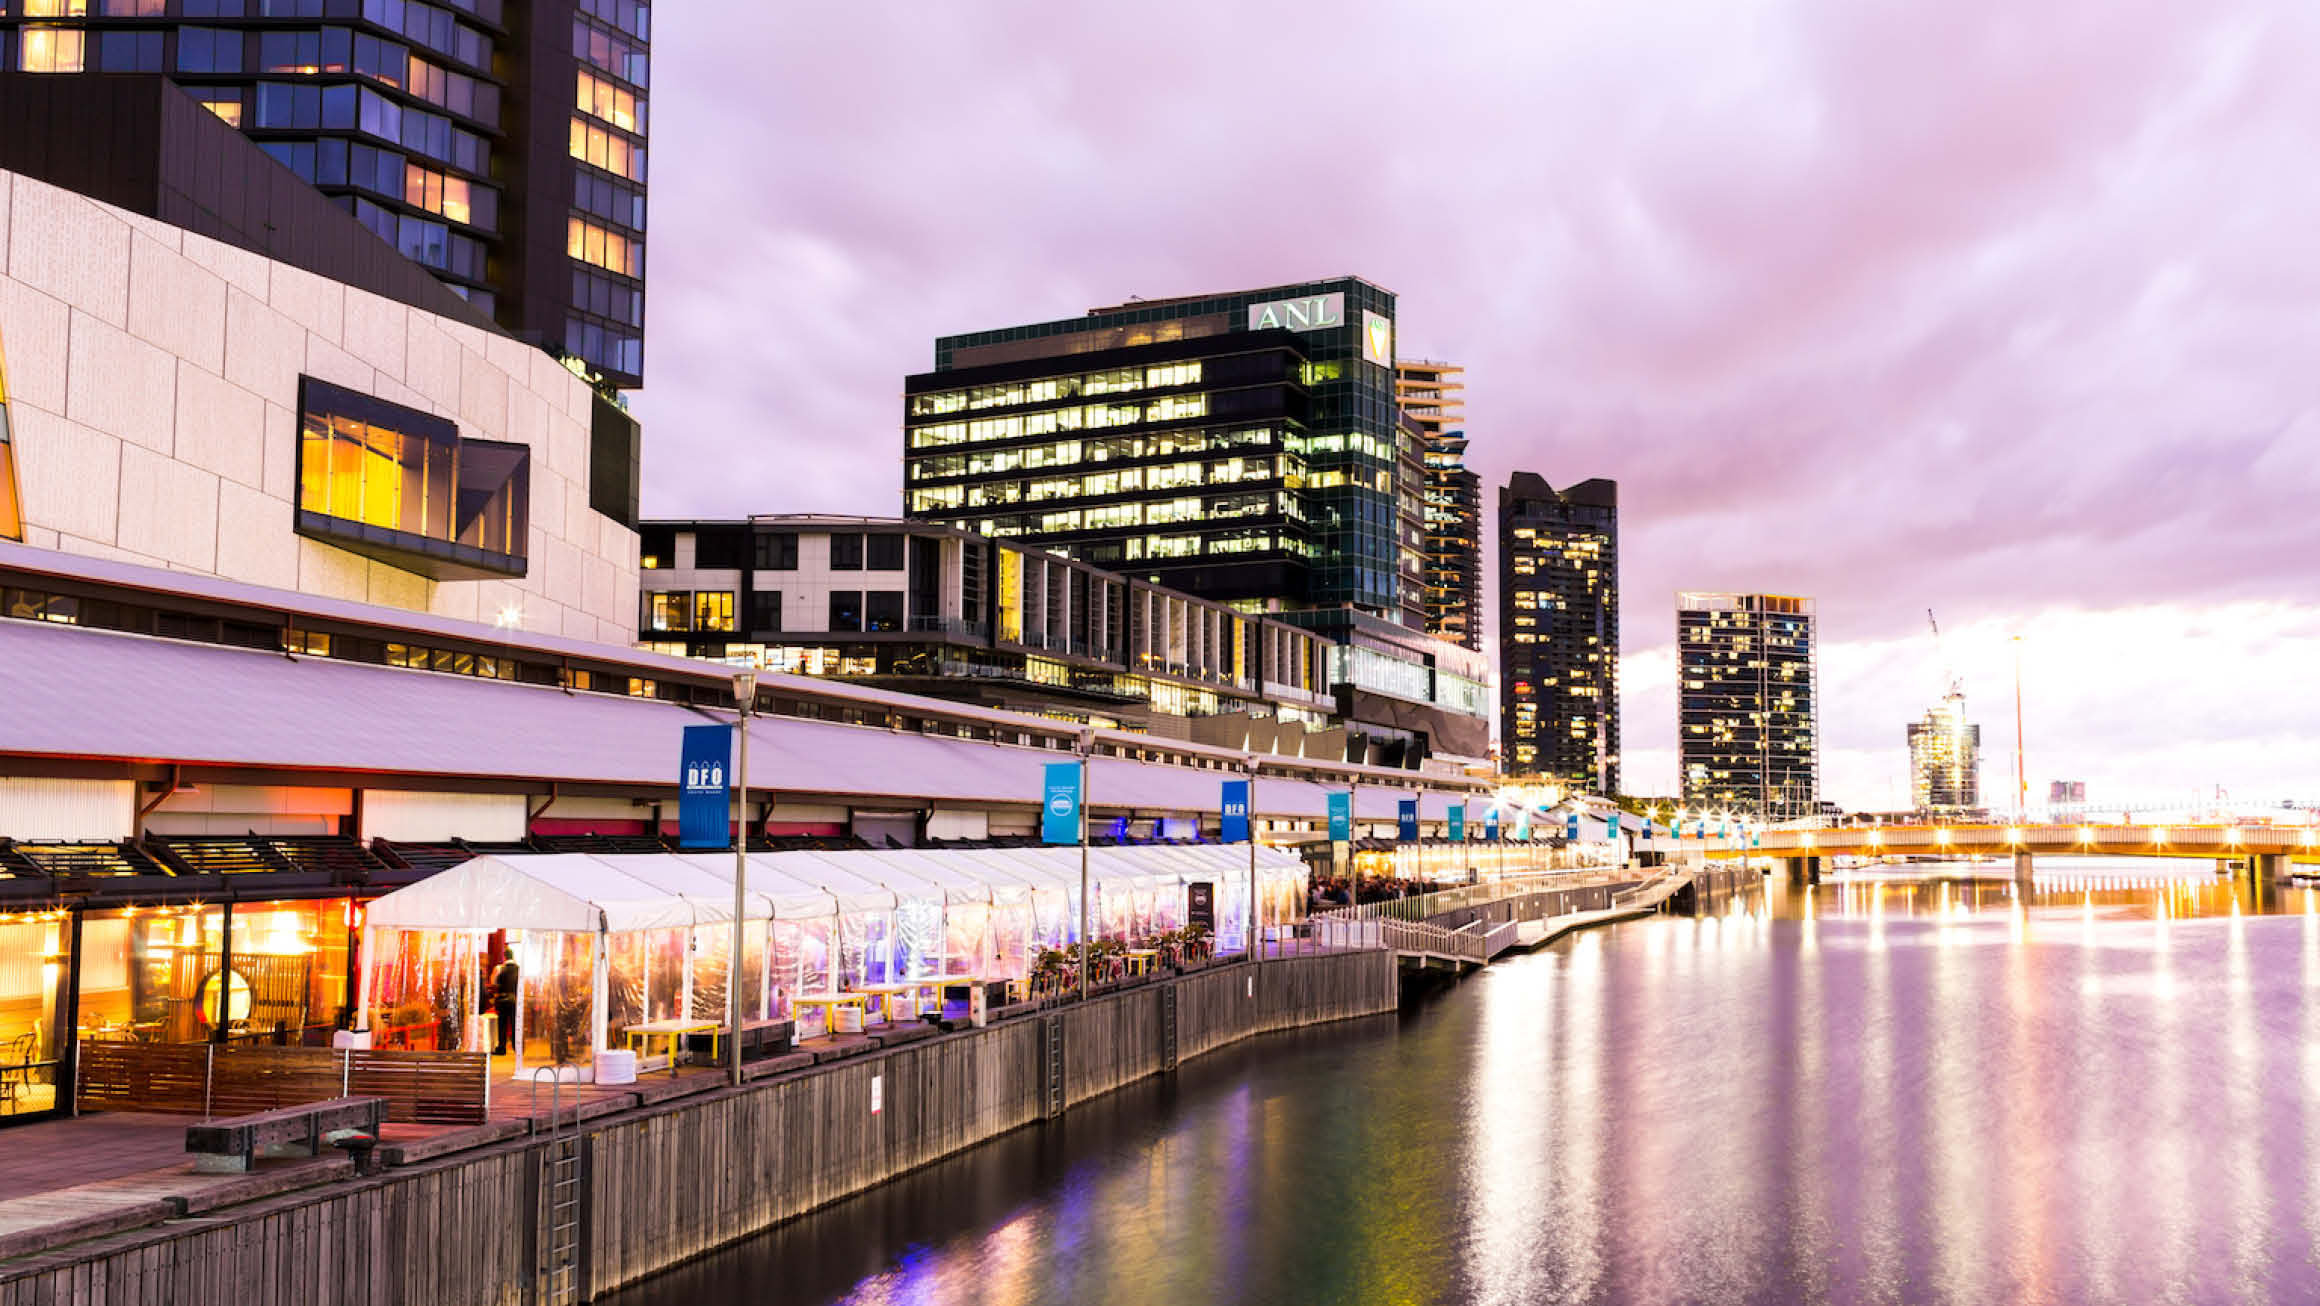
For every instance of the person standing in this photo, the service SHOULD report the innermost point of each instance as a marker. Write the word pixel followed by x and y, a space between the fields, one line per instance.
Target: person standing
pixel 505 981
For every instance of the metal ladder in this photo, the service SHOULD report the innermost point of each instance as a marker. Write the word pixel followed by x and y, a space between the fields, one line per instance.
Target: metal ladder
pixel 1051 1055
pixel 1168 1027
pixel 556 1271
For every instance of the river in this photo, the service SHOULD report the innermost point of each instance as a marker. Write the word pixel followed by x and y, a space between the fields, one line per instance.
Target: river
pixel 1876 1091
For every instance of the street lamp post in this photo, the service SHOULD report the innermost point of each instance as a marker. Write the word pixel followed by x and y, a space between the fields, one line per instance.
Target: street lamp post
pixel 1256 904
pixel 744 699
pixel 1086 745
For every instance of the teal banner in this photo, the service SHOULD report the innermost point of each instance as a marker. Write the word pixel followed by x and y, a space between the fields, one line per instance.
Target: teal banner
pixel 1341 817
pixel 1457 822
pixel 1059 807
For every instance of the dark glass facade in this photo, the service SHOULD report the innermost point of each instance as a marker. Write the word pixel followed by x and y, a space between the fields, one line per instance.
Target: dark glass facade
pixel 497 143
pixel 1747 691
pixel 1558 585
pixel 1269 461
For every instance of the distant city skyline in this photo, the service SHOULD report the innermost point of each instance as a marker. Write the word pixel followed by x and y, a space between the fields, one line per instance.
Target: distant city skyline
pixel 1977 342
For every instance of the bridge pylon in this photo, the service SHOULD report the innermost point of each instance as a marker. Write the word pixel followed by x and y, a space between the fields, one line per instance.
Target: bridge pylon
pixel 2024 868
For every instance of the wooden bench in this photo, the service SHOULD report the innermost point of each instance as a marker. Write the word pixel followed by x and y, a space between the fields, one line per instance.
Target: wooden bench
pixel 229 1146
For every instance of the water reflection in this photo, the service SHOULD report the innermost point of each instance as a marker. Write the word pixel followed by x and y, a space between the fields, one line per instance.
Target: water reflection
pixel 2105 1086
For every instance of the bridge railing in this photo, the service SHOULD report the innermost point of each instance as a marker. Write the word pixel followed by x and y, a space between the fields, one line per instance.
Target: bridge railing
pixel 2161 840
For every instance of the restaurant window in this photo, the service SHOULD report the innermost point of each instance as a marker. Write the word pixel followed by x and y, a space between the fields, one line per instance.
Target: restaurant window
pixel 845 553
pixel 882 610
pixel 765 612
pixel 775 551
pixel 35 968
pixel 669 610
pixel 401 486
pixel 713 610
pixel 845 609
pixel 885 552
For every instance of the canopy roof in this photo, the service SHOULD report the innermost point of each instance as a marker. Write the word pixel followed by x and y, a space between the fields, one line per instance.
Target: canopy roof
pixel 584 892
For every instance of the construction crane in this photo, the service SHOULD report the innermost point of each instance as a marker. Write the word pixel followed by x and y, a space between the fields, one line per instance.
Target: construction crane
pixel 1953 687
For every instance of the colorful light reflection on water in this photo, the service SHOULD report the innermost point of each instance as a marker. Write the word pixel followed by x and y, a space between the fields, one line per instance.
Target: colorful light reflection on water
pixel 2106 1088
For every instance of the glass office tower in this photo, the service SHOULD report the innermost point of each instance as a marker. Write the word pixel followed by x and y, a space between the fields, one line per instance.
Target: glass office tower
pixel 1432 395
pixel 498 143
pixel 1558 585
pixel 1747 729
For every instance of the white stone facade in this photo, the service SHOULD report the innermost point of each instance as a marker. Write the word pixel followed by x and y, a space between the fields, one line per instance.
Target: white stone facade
pixel 153 396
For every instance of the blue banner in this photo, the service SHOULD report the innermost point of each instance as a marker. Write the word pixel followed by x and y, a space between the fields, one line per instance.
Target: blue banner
pixel 1234 828
pixel 1571 827
pixel 1406 820
pixel 704 796
pixel 1059 805
pixel 1490 825
pixel 1457 822
pixel 1341 817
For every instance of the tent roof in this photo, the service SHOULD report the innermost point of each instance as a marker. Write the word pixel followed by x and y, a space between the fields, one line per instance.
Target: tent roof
pixel 582 892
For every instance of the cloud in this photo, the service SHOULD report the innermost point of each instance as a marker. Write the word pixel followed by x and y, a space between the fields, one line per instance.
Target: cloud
pixel 2005 310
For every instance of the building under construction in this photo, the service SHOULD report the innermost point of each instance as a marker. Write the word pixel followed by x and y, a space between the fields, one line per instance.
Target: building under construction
pixel 1945 759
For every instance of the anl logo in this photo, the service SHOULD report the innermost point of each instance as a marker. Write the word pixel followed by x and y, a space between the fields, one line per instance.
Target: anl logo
pixel 1310 313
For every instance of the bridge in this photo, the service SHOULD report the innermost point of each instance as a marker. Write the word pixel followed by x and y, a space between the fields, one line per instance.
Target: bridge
pixel 1535 910
pixel 2264 852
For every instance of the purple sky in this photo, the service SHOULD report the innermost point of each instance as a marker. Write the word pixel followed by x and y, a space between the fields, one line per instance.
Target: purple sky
pixel 2007 310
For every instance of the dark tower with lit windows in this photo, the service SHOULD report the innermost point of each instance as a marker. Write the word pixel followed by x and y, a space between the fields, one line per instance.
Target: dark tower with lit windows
pixel 1558 632
pixel 500 144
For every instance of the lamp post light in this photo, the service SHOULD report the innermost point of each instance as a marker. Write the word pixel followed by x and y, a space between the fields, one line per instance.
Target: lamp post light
pixel 1256 904
pixel 744 700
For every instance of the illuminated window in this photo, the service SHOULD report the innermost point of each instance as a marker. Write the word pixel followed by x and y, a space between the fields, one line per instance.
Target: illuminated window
pixel 11 511
pixel 713 610
pixel 401 486
pixel 606 249
pixel 51 49
pixel 669 610
pixel 606 149
pixel 599 98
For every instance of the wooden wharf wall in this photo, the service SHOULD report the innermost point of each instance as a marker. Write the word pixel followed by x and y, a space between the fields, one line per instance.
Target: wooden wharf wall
pixel 669 1182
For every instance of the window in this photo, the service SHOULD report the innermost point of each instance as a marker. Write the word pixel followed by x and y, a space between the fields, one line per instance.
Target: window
pixel 776 551
pixel 56 8
pixel 846 609
pixel 51 50
pixel 765 612
pixel 669 610
pixel 135 8
pixel 453 197
pixel 713 610
pixel 883 610
pixel 607 149
pixel 886 552
pixel 130 52
pixel 845 553
pixel 401 486
pixel 599 98
pixel 208 50
pixel 609 250
pixel 224 101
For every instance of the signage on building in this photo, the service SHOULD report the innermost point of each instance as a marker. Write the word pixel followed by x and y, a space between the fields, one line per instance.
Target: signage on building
pixel 1200 904
pixel 1308 313
pixel 1457 822
pixel 1490 825
pixel 1377 338
pixel 1571 827
pixel 1059 805
pixel 1236 812
pixel 1341 816
pixel 1406 820
pixel 1611 830
pixel 704 798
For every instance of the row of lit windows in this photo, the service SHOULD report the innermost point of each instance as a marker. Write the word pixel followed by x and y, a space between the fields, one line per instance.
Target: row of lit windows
pixel 1116 448
pixel 453 197
pixel 1008 394
pixel 1227 471
pixel 607 149
pixel 609 250
pixel 1090 417
pixel 599 98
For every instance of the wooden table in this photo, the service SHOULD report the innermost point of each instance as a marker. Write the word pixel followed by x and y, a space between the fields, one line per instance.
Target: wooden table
pixel 829 1003
pixel 675 1030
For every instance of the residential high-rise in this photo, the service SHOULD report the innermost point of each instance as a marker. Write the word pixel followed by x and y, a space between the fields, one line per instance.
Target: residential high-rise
pixel 1243 447
pixel 1747 733
pixel 1558 632
pixel 499 143
pixel 1432 395
pixel 1945 759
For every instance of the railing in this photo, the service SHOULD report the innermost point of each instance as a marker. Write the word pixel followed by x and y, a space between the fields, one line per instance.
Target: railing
pixel 2162 840
pixel 1419 906
pixel 1631 897
pixel 208 1079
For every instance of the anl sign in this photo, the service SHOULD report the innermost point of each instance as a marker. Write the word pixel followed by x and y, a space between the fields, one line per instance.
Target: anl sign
pixel 1310 313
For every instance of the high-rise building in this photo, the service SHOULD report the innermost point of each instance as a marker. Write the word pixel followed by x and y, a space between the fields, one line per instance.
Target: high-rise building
pixel 1244 448
pixel 1747 733
pixel 1558 632
pixel 1945 759
pixel 498 143
pixel 1432 396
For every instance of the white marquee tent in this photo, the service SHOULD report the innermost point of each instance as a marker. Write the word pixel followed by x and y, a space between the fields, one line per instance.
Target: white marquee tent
pixel 603 942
